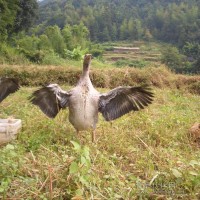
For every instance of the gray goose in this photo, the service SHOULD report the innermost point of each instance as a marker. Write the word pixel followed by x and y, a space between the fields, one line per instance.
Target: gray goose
pixel 84 101
pixel 7 87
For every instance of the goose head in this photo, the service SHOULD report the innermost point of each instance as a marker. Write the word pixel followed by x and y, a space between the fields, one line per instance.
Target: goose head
pixel 86 62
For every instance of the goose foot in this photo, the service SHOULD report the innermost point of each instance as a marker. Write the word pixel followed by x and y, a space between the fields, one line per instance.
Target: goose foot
pixel 93 136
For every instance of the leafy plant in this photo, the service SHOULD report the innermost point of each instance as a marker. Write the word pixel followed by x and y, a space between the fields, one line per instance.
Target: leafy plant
pixel 76 54
pixel 10 162
pixel 80 168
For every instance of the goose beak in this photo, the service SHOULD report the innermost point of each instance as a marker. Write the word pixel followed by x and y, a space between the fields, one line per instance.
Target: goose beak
pixel 87 56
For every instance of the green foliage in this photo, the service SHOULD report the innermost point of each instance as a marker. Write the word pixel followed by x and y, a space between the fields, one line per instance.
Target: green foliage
pixel 67 35
pixel 96 50
pixel 197 66
pixel 176 22
pixel 8 14
pixel 76 54
pixel 81 165
pixel 172 58
pixel 51 58
pixel 28 46
pixel 57 42
pixel 10 162
pixel 16 16
pixel 27 43
pixel 26 15
pixel 180 63
pixel 54 45
pixel 75 36
pixel 64 26
pixel 44 43
pixel 11 55
pixel 192 50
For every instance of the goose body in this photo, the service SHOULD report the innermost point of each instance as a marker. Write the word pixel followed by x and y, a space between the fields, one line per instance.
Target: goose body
pixel 83 106
pixel 85 102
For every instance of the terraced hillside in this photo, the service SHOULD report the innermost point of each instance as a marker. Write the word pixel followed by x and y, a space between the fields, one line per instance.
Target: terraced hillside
pixel 132 54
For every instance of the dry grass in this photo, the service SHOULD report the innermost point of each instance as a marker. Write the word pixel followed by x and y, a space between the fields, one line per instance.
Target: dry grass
pixel 106 77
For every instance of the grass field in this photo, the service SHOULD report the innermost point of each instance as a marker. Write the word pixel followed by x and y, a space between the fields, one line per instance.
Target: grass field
pixel 142 155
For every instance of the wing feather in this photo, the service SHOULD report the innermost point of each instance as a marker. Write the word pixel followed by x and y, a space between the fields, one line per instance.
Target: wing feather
pixel 122 100
pixel 7 87
pixel 50 99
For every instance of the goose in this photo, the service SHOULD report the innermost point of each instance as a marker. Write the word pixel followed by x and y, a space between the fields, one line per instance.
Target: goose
pixel 85 102
pixel 7 87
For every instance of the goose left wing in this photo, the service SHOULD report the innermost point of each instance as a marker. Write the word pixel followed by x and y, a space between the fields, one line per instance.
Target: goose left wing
pixel 50 99
pixel 122 100
pixel 8 86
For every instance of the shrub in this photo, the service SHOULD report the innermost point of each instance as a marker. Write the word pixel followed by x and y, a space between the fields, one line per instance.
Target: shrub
pixel 191 50
pixel 96 50
pixel 11 55
pixel 196 66
pixel 76 54
pixel 52 58
pixel 33 56
pixel 172 58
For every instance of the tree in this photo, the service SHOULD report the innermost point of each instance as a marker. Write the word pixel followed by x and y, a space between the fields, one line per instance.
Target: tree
pixel 28 43
pixel 56 39
pixel 67 35
pixel 172 58
pixel 124 30
pixel 8 11
pixel 138 30
pixel 15 16
pixel 44 43
pixel 131 28
pixel 171 21
pixel 80 35
pixel 196 67
pixel 192 50
pixel 113 33
pixel 26 15
pixel 105 35
pixel 147 35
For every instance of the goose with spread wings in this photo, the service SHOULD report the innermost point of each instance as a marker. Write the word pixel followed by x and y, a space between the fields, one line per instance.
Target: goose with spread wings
pixel 85 102
pixel 7 87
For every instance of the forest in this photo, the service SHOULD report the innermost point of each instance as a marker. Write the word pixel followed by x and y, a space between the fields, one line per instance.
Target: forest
pixel 174 22
pixel 32 30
